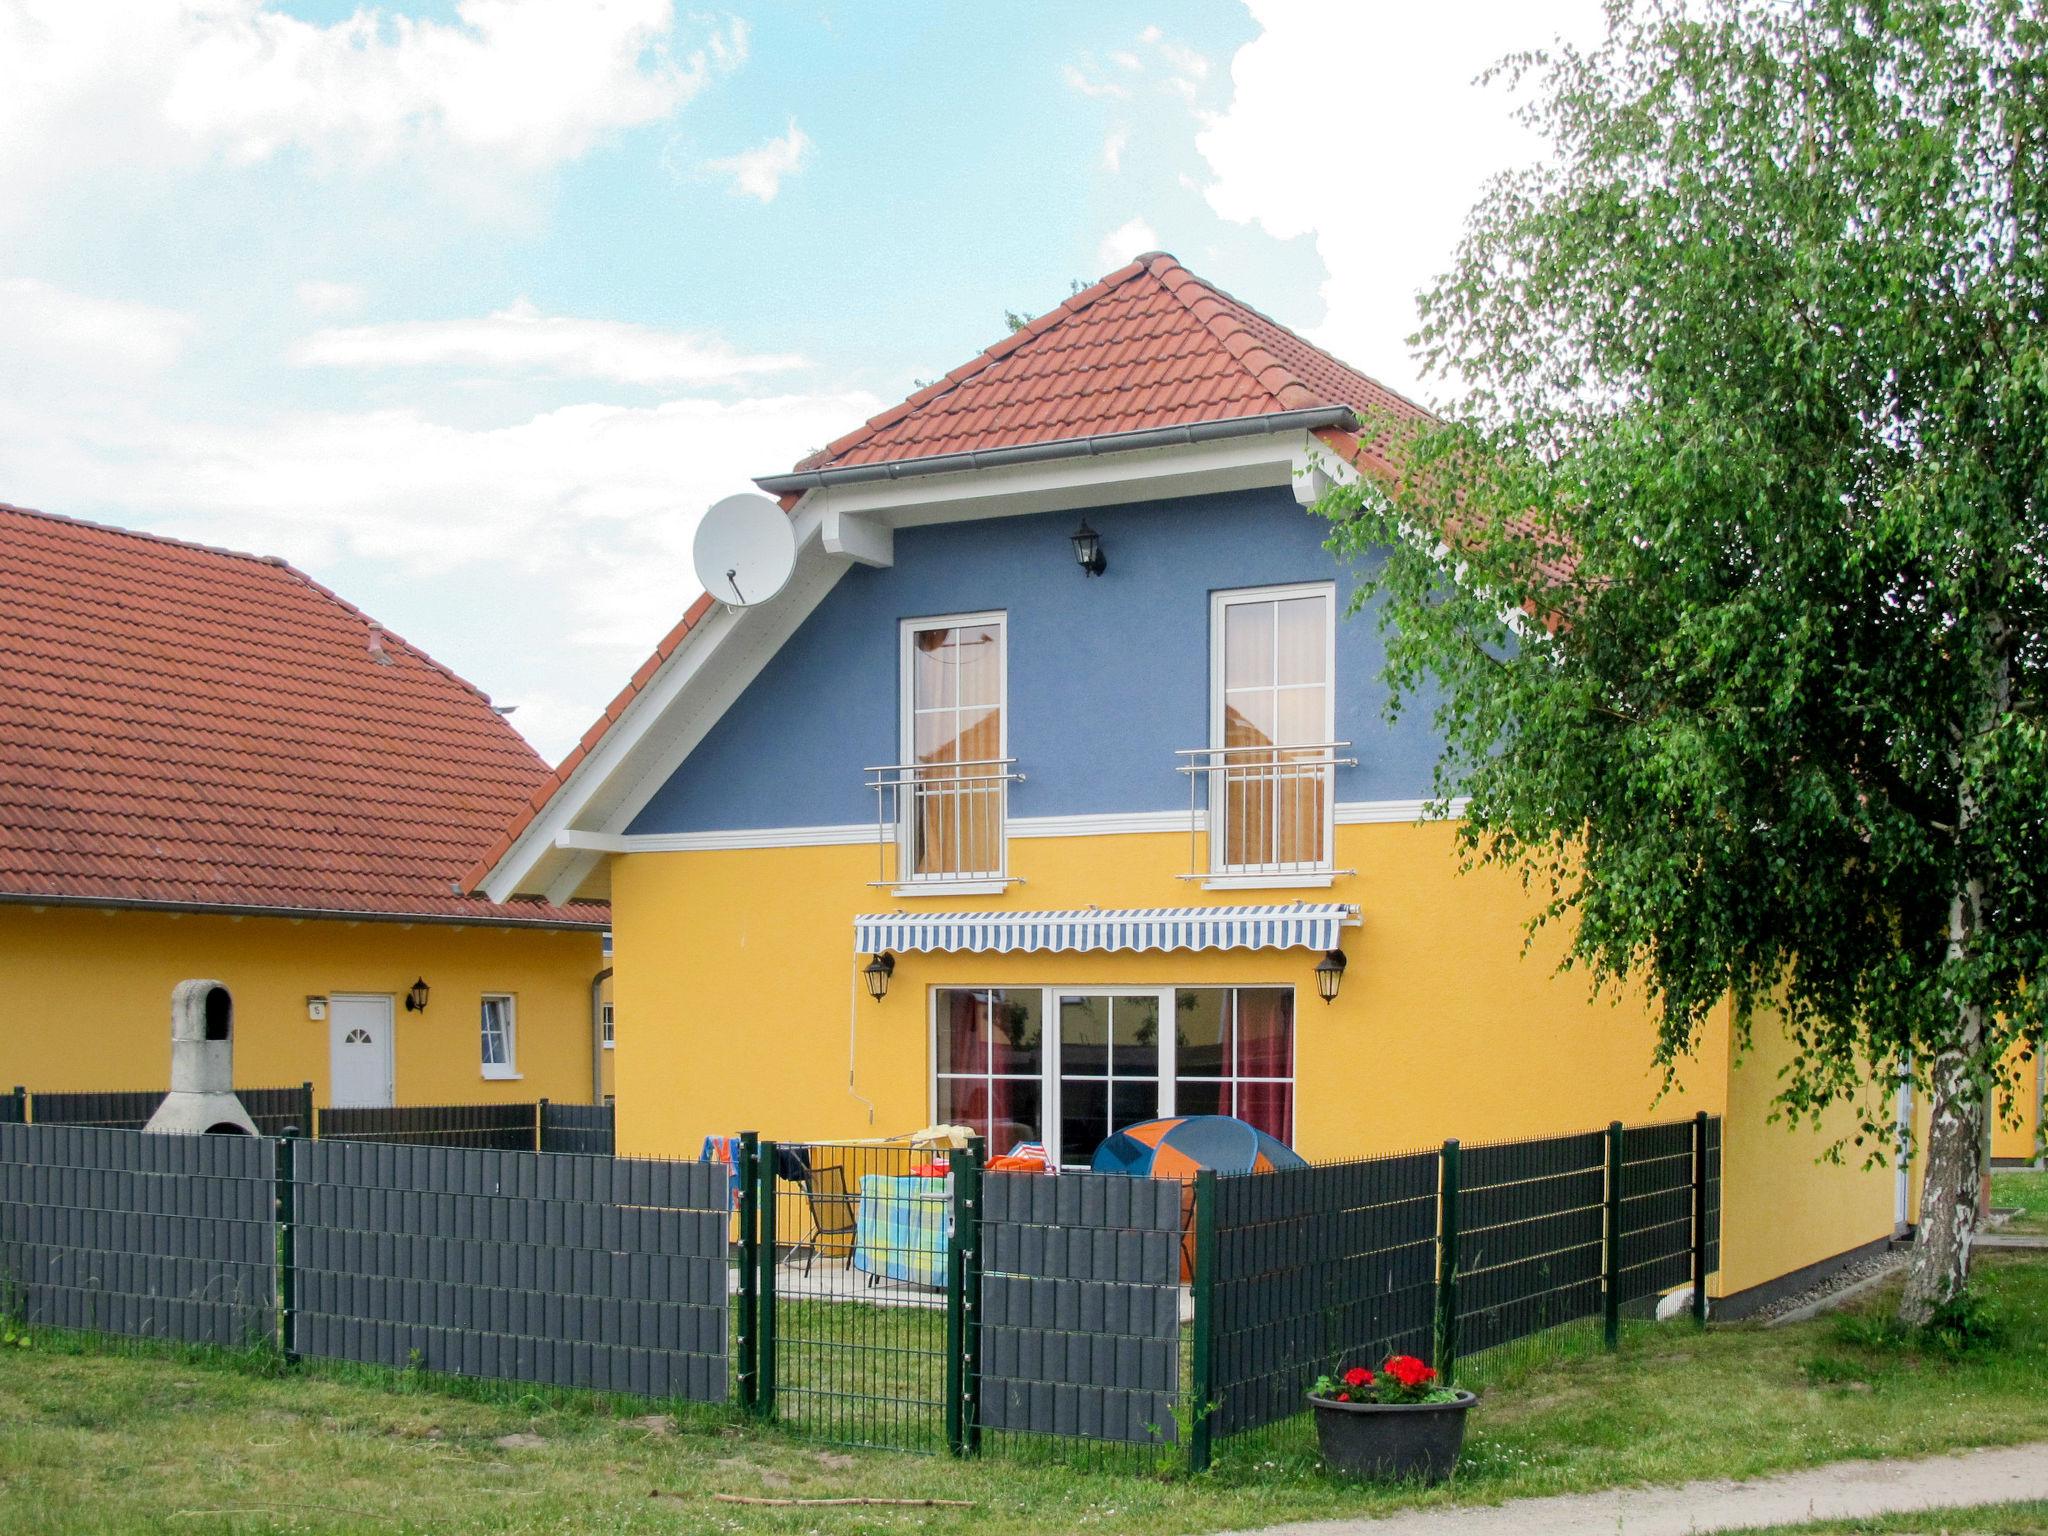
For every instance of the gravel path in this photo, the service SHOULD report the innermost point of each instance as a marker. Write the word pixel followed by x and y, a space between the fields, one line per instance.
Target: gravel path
pixel 1847 1490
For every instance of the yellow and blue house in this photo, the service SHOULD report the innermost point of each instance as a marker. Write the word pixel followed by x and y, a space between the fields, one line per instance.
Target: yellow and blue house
pixel 1055 791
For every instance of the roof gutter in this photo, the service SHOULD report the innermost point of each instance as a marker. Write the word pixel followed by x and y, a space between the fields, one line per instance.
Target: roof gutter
pixel 1309 419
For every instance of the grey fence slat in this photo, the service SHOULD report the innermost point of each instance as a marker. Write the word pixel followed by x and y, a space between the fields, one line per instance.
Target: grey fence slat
pixel 1315 1266
pixel 112 1231
pixel 530 1266
pixel 501 1127
pixel 272 1109
pixel 584 1128
pixel 1080 1306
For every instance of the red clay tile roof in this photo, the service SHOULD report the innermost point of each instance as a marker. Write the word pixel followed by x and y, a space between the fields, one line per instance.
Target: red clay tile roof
pixel 185 726
pixel 1150 345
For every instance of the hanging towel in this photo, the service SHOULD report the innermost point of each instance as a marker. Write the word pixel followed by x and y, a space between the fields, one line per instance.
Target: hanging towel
pixel 724 1149
pixel 793 1163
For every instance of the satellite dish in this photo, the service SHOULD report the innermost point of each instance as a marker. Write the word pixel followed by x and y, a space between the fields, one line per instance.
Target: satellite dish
pixel 745 550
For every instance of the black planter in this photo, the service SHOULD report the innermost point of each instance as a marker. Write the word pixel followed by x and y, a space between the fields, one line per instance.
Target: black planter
pixel 1392 1441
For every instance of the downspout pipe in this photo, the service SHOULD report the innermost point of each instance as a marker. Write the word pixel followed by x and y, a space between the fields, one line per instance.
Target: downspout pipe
pixel 1308 419
pixel 597 1034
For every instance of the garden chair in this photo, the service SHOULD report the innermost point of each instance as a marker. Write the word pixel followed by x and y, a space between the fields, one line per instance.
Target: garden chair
pixel 834 1211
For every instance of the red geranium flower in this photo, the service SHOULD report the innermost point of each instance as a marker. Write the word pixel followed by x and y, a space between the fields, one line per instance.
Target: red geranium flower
pixel 1408 1371
pixel 1358 1376
pixel 1343 1397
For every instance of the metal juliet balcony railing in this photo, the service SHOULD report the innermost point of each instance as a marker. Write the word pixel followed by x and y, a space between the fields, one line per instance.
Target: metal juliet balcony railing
pixel 1270 810
pixel 946 822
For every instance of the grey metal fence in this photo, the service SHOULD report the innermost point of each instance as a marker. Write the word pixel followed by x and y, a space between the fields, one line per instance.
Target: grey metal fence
pixel 585 1128
pixel 1530 1237
pixel 164 1237
pixel 569 1271
pixel 272 1109
pixel 1080 1306
pixel 502 1127
pixel 1314 1266
pixel 14 1107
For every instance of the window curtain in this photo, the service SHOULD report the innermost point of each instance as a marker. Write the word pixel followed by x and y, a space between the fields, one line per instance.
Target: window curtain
pixel 991 1106
pixel 1265 1049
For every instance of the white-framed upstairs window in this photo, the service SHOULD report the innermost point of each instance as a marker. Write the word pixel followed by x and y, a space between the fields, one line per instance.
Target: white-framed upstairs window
pixel 951 782
pixel 500 1028
pixel 605 1024
pixel 1272 755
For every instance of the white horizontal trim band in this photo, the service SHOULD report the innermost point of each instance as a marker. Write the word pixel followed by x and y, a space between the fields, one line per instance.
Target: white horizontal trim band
pixel 1107 824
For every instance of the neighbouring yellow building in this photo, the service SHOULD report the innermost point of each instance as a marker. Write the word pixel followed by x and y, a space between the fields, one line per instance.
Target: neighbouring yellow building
pixel 211 766
pixel 1028 772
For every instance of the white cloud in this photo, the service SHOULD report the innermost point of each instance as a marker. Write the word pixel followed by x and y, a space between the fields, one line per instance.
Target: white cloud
pixel 523 340
pixel 511 84
pixel 758 172
pixel 1133 238
pixel 1395 87
pixel 322 297
pixel 44 327
pixel 1123 58
pixel 1086 83
pixel 1113 146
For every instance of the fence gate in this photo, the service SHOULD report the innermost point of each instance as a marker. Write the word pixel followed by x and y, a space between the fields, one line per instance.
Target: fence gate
pixel 856 1289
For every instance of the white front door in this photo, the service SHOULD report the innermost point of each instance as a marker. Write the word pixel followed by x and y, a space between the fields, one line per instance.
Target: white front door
pixel 1115 1066
pixel 359 1052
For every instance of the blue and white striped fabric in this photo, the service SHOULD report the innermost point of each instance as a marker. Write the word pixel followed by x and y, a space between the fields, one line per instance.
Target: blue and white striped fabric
pixel 1294 925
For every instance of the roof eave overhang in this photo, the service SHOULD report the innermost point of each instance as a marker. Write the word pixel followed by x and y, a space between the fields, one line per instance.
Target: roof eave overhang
pixel 300 914
pixel 1308 419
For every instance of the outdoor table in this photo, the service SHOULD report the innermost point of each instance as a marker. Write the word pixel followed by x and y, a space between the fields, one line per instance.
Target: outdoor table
pixel 902 1229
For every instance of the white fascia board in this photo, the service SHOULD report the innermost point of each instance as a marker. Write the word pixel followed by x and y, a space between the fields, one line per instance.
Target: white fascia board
pixel 1055 485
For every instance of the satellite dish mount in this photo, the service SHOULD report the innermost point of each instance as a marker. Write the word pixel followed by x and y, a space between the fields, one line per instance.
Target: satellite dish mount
pixel 745 550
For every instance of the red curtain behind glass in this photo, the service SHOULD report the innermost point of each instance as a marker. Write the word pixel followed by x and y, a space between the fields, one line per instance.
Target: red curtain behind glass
pixel 1265 1048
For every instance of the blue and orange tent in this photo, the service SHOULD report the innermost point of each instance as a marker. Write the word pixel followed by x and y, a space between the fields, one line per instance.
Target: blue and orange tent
pixel 1181 1145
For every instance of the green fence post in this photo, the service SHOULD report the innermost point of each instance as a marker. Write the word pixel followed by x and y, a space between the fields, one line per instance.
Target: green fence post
pixel 1699 1218
pixel 970 1305
pixel 1610 1267
pixel 750 1279
pixel 287 1254
pixel 963 1237
pixel 305 1126
pixel 764 1323
pixel 1447 1265
pixel 1202 1372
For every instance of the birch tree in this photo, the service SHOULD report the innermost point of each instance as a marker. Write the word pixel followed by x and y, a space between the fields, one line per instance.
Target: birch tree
pixel 1726 579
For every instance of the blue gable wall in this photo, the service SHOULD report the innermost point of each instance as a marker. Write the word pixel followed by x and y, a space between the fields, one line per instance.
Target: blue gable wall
pixel 1108 676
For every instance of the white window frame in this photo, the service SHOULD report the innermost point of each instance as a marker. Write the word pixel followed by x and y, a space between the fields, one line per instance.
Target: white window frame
pixel 910 883
pixel 605 1023
pixel 508 1069
pixel 1049 1075
pixel 1222 875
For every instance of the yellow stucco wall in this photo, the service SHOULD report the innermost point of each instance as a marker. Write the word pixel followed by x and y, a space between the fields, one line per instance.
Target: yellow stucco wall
pixel 87 1001
pixel 1785 1207
pixel 2018 1138
pixel 747 1011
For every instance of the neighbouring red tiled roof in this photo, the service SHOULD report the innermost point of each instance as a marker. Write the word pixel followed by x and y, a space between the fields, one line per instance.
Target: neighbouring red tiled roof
pixel 1150 345
pixel 185 726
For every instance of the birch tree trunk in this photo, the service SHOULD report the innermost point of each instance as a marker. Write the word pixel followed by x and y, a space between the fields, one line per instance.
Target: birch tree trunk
pixel 1950 1184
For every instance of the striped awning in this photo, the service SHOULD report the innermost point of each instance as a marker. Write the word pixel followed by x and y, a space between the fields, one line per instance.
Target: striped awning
pixel 1293 925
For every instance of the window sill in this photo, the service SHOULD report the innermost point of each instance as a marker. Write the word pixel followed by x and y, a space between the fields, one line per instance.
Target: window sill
pixel 1290 882
pixel 500 1075
pixel 925 888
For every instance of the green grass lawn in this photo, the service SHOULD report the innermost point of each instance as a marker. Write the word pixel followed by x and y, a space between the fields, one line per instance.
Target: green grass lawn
pixel 2025 1519
pixel 130 1440
pixel 2027 1191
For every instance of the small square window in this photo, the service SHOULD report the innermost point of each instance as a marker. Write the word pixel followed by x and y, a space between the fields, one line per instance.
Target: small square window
pixel 500 1036
pixel 607 1026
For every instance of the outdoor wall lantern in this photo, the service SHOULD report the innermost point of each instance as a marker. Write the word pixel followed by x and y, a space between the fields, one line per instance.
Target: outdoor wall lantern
pixel 1330 974
pixel 416 998
pixel 878 972
pixel 1088 549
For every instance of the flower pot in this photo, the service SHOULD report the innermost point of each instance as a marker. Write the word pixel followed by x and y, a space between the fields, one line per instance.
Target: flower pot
pixel 1418 1441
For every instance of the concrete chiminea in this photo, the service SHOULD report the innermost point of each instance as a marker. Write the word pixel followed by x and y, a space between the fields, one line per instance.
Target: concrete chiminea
pixel 202 1098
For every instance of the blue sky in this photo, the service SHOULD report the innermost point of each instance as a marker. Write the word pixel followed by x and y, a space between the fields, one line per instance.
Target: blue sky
pixel 469 308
